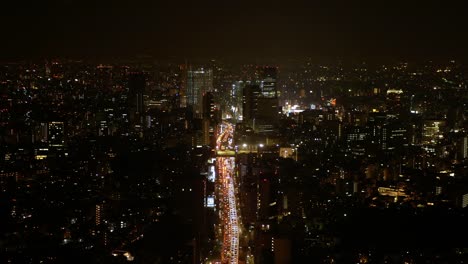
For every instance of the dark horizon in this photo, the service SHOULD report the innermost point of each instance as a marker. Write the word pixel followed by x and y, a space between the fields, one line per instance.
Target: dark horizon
pixel 289 62
pixel 364 31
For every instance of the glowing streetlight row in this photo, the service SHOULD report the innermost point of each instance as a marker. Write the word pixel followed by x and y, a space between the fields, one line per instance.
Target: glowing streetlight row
pixel 229 215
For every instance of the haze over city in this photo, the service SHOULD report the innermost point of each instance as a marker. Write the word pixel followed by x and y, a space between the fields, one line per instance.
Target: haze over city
pixel 354 30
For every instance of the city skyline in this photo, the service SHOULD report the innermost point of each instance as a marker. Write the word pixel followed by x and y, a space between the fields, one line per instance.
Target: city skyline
pixel 211 132
pixel 105 162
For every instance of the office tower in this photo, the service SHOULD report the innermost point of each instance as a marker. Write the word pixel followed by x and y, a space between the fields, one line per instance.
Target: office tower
pixel 47 68
pixel 56 134
pixel 208 110
pixel 465 200
pixel 385 134
pixel 100 227
pixel 267 118
pixel 431 131
pixel 236 95
pixel 250 97
pixel 268 82
pixel 463 147
pixel 397 136
pixel 41 132
pixel 99 214
pixel 209 119
pixel 198 83
pixel 136 89
pixel 182 94
pixel 259 112
pixel 394 98
pixel 264 198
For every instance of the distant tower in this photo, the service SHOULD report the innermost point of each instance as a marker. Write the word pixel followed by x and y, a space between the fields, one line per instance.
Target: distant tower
pixel 136 89
pixel 198 83
pixel 47 69
pixel 182 94
pixel 269 76
pixel 236 99
pixel 463 147
pixel 250 97
pixel 41 132
pixel 56 134
pixel 209 121
pixel 208 109
pixel 260 103
pixel 267 118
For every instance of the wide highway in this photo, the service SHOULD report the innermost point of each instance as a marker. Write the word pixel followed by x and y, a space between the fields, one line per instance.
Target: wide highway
pixel 228 205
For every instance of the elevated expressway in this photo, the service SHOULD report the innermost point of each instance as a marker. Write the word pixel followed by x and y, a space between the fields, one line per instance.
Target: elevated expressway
pixel 229 212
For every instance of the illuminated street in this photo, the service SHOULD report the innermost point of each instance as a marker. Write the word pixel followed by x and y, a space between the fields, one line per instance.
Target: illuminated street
pixel 229 216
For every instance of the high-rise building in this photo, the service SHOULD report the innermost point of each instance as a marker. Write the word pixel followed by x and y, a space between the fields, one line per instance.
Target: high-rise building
pixel 56 135
pixel 250 97
pixel 465 200
pixel 99 213
pixel 41 132
pixel 181 97
pixel 267 118
pixel 209 119
pixel 260 112
pixel 236 95
pixel 431 130
pixel 198 83
pixel 397 137
pixel 268 82
pixel 208 110
pixel 463 147
pixel 136 89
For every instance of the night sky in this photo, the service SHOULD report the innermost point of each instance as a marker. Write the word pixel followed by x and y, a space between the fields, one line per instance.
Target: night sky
pixel 378 29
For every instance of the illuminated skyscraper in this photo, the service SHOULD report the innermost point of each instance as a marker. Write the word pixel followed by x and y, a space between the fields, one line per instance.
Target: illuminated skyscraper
pixel 268 86
pixel 198 83
pixel 209 119
pixel 56 134
pixel 260 103
pixel 267 117
pixel 182 93
pixel 431 131
pixel 236 100
pixel 208 109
